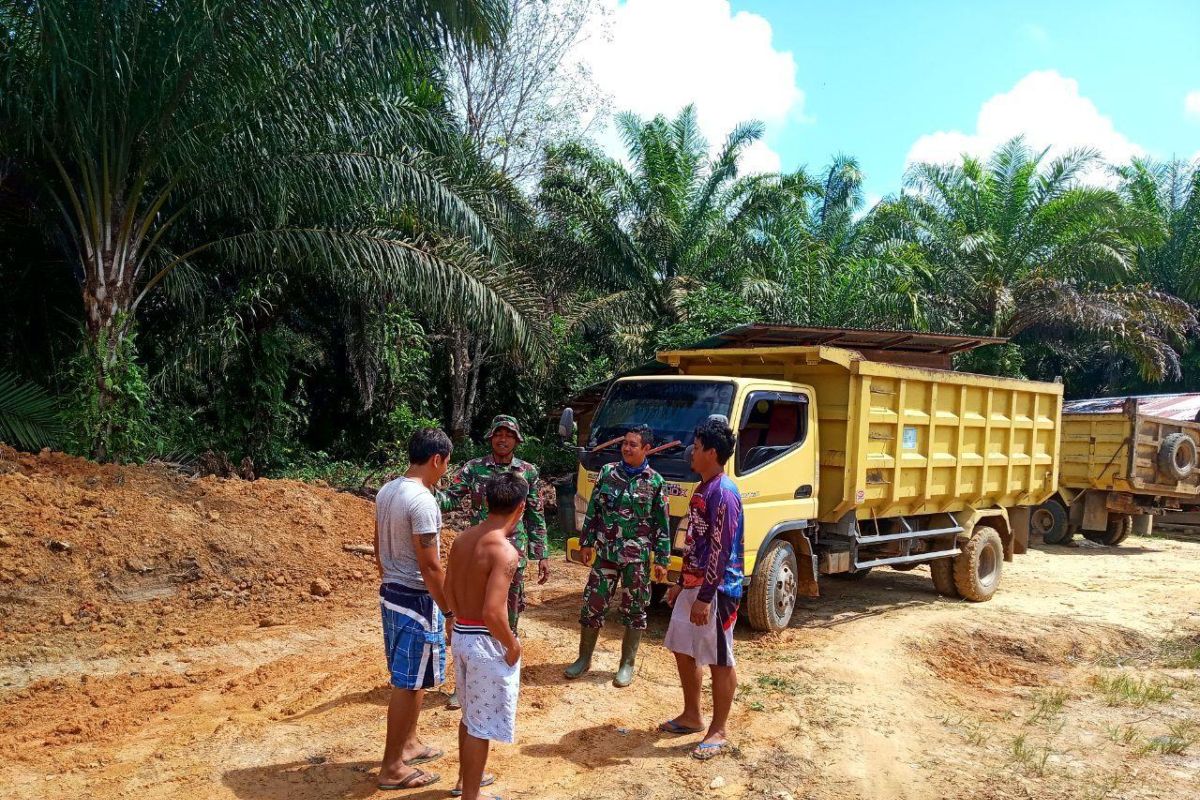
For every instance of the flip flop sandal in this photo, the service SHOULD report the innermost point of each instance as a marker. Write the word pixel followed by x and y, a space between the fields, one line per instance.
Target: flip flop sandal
pixel 452 702
pixel 430 754
pixel 417 780
pixel 488 780
pixel 671 726
pixel 706 750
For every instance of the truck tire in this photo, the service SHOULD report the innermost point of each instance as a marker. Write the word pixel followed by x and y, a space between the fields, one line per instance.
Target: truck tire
pixel 772 596
pixel 1118 530
pixel 977 568
pixel 1177 456
pixel 1051 520
pixel 942 571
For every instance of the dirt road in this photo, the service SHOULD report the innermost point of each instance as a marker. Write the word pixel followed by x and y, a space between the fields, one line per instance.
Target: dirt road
pixel 1081 679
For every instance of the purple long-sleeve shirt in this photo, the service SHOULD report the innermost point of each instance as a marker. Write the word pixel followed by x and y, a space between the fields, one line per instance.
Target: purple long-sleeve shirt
pixel 714 554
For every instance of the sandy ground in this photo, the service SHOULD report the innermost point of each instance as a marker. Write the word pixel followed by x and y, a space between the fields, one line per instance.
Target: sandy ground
pixel 1081 679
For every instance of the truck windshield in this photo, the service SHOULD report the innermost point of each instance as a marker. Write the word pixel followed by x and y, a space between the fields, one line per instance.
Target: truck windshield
pixel 672 408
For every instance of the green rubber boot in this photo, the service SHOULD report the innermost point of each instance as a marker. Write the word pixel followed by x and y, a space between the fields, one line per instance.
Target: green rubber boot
pixel 587 645
pixel 629 648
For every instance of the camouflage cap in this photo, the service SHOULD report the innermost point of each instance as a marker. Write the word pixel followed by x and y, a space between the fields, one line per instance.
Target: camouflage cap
pixel 505 421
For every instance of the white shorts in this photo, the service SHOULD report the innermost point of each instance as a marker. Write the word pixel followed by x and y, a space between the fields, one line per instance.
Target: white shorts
pixel 487 687
pixel 711 644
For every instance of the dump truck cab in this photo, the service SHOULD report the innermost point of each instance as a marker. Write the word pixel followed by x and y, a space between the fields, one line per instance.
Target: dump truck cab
pixel 843 463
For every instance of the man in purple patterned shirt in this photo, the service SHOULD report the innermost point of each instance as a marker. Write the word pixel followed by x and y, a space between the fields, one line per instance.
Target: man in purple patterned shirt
pixel 705 601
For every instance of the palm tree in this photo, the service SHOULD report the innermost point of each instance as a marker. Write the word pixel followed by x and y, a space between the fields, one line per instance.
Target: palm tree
pixel 162 136
pixel 1167 196
pixel 1019 248
pixel 650 232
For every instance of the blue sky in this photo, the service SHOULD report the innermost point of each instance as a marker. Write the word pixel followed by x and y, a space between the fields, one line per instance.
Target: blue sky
pixel 888 82
pixel 877 76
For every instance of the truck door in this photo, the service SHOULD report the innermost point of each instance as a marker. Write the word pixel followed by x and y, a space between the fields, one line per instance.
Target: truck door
pixel 775 462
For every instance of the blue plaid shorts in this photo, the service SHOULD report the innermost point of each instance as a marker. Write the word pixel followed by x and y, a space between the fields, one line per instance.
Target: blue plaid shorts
pixel 414 637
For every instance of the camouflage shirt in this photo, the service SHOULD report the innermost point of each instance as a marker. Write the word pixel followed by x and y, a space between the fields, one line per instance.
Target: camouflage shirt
pixel 529 537
pixel 626 518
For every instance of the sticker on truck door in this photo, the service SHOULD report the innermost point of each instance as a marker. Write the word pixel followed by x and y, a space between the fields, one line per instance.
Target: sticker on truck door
pixel 910 437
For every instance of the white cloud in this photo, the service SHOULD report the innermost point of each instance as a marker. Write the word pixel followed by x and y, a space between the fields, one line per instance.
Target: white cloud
pixel 660 55
pixel 1191 105
pixel 1048 110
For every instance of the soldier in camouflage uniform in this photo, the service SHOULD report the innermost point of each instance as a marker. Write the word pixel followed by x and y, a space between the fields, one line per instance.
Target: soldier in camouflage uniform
pixel 625 526
pixel 529 537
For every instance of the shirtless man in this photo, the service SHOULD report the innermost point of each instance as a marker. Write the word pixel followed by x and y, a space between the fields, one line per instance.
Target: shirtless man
pixel 487 654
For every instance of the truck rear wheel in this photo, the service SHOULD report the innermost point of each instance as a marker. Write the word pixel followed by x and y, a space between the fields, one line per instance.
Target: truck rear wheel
pixel 1051 521
pixel 942 571
pixel 772 595
pixel 977 568
pixel 1118 530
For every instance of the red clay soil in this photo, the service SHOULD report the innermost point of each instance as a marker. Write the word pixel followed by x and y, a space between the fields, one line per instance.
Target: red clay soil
pixel 98 559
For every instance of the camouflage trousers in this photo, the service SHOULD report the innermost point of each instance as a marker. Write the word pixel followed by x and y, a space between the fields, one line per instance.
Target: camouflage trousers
pixel 602 584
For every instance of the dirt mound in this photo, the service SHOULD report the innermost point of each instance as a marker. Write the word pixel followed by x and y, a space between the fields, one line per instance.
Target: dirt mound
pixel 95 557
pixel 1033 654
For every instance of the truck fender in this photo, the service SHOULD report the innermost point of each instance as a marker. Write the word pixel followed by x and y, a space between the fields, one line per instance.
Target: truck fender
pixel 996 518
pixel 796 533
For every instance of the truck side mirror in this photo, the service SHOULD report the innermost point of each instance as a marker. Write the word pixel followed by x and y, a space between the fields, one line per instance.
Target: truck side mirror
pixel 566 424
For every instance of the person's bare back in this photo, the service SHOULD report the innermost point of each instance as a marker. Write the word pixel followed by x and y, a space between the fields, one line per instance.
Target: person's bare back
pixel 480 570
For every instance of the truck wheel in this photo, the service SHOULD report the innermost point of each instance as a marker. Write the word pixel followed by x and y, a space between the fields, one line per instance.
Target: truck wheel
pixel 977 568
pixel 1118 530
pixel 772 595
pixel 1177 456
pixel 942 571
pixel 856 575
pixel 1051 521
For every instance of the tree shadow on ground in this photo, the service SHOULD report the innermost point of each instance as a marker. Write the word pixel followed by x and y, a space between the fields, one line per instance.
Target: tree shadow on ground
pixel 601 746
pixel 378 696
pixel 1083 547
pixel 306 780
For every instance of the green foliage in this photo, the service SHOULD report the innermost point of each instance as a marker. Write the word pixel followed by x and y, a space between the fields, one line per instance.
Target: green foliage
pixel 109 410
pixel 28 415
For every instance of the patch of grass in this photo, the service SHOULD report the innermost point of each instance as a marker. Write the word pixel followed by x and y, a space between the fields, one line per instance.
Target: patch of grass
pixel 776 683
pixel 1182 652
pixel 1124 690
pixel 1047 705
pixel 757 706
pixel 1031 758
pixel 1105 786
pixel 1178 738
pixel 1122 734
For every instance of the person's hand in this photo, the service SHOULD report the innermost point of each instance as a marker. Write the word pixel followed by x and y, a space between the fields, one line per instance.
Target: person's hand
pixel 513 654
pixel 658 574
pixel 588 554
pixel 700 612
pixel 543 571
pixel 673 594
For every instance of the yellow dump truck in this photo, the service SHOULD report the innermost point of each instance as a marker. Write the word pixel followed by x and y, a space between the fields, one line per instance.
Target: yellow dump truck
pixel 846 459
pixel 1123 461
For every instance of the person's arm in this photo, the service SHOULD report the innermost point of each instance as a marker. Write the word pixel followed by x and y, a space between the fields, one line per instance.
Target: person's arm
pixel 660 518
pixel 495 600
pixel 378 560
pixel 535 519
pixel 535 527
pixel 460 486
pixel 425 544
pixel 451 607
pixel 591 521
